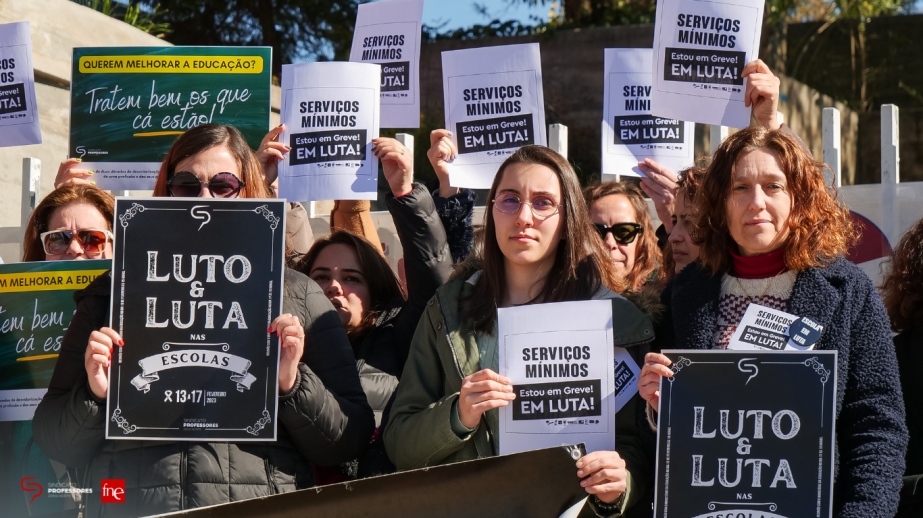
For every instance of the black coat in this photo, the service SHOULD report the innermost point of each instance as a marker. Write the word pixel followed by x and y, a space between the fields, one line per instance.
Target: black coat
pixel 325 420
pixel 871 438
pixel 382 352
pixel 909 348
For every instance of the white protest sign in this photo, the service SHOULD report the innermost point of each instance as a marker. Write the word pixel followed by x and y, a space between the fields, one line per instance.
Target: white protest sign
pixel 388 33
pixel 18 111
pixel 494 105
pixel 330 112
pixel 559 357
pixel 631 132
pixel 701 50
pixel 763 328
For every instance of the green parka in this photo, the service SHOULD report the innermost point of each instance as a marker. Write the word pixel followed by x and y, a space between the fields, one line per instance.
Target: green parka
pixel 444 351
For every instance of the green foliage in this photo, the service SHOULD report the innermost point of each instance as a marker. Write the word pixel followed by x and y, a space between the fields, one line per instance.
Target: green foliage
pixel 132 14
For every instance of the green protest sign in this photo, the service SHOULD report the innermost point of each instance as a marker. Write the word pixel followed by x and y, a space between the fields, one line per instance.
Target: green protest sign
pixel 128 104
pixel 36 307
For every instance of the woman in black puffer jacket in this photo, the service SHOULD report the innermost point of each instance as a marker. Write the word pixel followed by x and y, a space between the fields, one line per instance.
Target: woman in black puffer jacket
pixel 324 417
pixel 368 296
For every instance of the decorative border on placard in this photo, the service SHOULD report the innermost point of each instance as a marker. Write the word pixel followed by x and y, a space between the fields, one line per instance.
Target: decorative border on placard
pixel 122 423
pixel 713 505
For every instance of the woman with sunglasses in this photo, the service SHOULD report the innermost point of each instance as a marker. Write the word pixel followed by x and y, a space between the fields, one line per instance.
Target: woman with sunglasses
pixel 537 247
pixel 620 215
pixel 324 417
pixel 72 222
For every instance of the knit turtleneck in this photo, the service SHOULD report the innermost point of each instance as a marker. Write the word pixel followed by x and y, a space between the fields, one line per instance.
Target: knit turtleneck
pixel 758 266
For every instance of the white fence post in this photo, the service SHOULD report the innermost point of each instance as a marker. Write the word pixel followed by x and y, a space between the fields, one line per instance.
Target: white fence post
pixel 718 134
pixel 557 138
pixel 31 173
pixel 832 142
pixel 121 193
pixel 890 171
pixel 407 140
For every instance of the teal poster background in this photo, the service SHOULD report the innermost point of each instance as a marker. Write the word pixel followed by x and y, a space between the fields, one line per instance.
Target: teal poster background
pixel 33 321
pixel 128 104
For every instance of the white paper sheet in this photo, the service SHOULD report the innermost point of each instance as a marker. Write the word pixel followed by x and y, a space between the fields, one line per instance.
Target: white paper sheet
pixel 18 111
pixel 559 357
pixel 388 33
pixel 763 328
pixel 331 114
pixel 494 105
pixel 701 49
pixel 631 132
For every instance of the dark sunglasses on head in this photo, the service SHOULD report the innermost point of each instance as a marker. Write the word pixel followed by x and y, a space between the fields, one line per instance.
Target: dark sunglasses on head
pixel 623 233
pixel 92 241
pixel 184 184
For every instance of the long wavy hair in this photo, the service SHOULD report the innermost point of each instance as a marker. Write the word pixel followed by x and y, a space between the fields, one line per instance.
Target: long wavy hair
pixel 819 226
pixel 581 262
pixel 205 137
pixel 902 289
pixel 384 286
pixel 648 257
pixel 61 197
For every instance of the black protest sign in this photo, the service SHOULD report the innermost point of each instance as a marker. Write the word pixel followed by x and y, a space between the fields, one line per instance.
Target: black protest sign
pixel 746 433
pixel 704 66
pixel 647 129
pixel 561 400
pixel 493 134
pixel 196 283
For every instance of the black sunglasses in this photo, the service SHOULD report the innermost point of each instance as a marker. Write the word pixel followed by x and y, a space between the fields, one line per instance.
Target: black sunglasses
pixel 623 233
pixel 184 184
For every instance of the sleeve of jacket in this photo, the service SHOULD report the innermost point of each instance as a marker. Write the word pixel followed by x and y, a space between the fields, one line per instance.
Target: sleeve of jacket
pixel 427 260
pixel 326 414
pixel 355 217
pixel 457 215
pixel 298 233
pixel 68 425
pixel 871 434
pixel 419 432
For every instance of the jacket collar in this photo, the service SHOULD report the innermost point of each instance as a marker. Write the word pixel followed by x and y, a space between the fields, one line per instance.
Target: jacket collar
pixel 814 296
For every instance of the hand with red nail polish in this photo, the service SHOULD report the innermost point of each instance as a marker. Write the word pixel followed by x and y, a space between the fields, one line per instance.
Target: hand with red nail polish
pixel 98 358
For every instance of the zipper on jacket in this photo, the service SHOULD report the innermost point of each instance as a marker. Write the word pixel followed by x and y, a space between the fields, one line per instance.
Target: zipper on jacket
pixel 183 453
pixel 273 487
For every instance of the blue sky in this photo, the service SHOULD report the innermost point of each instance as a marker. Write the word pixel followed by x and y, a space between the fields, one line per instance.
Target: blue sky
pixel 462 13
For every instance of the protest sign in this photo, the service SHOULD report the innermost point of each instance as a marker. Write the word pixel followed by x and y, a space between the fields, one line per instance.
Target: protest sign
pixel 36 307
pixel 494 105
pixel 128 104
pixel 331 114
pixel 701 50
pixel 746 433
pixel 763 328
pixel 18 111
pixel 195 285
pixel 560 360
pixel 631 132
pixel 388 33
pixel 537 484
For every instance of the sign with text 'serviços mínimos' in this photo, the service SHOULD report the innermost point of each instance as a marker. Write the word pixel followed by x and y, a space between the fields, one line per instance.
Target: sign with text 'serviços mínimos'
pixel 195 285
pixel 746 433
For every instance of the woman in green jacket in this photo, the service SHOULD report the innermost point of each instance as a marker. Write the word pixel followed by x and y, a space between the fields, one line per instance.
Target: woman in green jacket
pixel 538 247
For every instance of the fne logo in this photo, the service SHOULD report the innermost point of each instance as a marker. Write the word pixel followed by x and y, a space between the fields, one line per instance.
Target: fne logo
pixel 113 491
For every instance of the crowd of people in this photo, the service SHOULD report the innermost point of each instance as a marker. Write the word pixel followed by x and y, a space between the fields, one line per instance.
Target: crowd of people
pixel 382 372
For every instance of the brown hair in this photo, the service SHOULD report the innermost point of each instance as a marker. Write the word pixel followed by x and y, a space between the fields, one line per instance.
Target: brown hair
pixel 62 196
pixel 205 137
pixel 902 289
pixel 819 225
pixel 581 263
pixel 384 286
pixel 687 185
pixel 648 253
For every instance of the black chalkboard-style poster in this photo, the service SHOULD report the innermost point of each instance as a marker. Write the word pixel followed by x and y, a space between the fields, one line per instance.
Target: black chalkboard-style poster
pixel 746 433
pixel 195 285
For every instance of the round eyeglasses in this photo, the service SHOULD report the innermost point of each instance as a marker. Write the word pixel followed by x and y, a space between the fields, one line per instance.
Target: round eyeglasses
pixel 542 206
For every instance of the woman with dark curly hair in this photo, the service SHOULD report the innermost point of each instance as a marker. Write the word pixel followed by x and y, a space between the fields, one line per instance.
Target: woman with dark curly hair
pixel 771 232
pixel 620 216
pixel 681 248
pixel 902 292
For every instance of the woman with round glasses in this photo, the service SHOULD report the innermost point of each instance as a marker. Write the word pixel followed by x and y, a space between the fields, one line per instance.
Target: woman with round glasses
pixel 621 218
pixel 323 415
pixel 72 222
pixel 538 246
